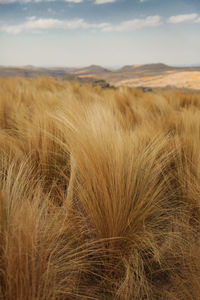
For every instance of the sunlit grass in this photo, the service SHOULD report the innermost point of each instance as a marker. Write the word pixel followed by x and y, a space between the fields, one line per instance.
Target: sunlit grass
pixel 99 192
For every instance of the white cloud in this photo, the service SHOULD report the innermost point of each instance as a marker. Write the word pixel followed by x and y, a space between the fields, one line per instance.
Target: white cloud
pixel 104 1
pixel 197 20
pixel 31 18
pixel 6 1
pixel 131 25
pixel 27 1
pixel 33 24
pixel 21 1
pixel 182 18
pixel 68 1
pixel 74 1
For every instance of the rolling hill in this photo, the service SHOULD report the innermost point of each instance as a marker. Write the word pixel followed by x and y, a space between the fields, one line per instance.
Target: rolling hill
pixel 149 75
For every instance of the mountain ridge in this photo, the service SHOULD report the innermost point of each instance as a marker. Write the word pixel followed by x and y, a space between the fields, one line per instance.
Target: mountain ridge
pixel 131 75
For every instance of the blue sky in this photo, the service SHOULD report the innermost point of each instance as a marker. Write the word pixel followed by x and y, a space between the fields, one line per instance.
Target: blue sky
pixel 104 32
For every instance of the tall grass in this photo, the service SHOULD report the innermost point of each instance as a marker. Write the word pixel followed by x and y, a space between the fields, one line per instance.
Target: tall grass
pixel 99 192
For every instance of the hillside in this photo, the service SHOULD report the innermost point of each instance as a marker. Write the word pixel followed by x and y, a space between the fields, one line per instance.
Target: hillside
pixel 55 72
pixel 149 75
pixel 159 67
pixel 93 69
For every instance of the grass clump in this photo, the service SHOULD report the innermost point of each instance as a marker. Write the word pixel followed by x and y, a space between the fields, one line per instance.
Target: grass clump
pixel 99 192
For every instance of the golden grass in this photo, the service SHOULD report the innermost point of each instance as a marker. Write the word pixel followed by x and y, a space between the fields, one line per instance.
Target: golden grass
pixel 184 80
pixel 99 192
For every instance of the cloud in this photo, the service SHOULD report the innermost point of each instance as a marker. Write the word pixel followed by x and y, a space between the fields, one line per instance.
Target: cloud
pixel 104 1
pixel 20 1
pixel 68 1
pixel 33 24
pixel 131 25
pixel 74 1
pixel 36 1
pixel 182 18
pixel 197 20
pixel 31 18
pixel 6 1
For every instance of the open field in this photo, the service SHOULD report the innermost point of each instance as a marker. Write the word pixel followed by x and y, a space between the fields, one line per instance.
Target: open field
pixel 99 192
pixel 185 80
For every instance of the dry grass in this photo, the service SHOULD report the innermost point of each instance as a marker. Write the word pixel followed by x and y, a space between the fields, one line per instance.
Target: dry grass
pixel 175 78
pixel 99 192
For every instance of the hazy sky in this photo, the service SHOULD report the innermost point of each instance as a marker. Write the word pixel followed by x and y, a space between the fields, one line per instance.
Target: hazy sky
pixel 105 32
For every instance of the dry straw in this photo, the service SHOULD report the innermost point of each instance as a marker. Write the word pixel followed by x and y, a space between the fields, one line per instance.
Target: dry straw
pixel 99 192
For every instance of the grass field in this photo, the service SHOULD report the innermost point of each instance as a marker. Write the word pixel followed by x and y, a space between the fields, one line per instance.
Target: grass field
pixel 99 192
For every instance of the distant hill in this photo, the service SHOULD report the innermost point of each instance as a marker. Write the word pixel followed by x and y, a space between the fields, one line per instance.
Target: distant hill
pixel 159 67
pixel 7 71
pixel 93 69
pixel 29 71
pixel 140 74
pixel 55 72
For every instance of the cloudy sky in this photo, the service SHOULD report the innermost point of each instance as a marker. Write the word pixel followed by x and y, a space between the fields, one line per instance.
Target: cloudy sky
pixel 105 32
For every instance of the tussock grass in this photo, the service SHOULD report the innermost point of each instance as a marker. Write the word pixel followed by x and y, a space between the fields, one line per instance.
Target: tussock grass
pixel 99 192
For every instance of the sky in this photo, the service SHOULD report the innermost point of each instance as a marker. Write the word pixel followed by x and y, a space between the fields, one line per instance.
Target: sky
pixel 111 33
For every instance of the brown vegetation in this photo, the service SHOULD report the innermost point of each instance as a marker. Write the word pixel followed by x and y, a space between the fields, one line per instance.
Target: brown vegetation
pixel 99 192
